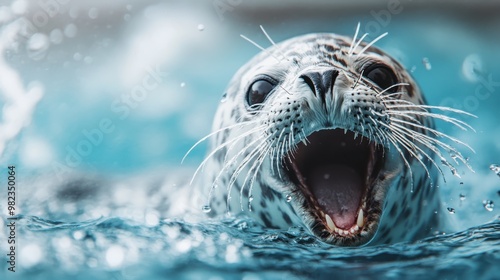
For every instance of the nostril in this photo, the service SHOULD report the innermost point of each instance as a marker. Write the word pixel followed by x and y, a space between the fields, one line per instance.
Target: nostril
pixel 309 81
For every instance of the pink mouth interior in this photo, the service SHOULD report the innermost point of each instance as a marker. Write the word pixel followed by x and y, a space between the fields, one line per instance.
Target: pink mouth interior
pixel 334 171
pixel 338 190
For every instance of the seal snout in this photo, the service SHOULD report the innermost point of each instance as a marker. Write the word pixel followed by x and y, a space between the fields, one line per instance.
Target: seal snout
pixel 320 82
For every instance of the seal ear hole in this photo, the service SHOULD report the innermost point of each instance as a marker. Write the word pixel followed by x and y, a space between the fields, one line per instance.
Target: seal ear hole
pixel 258 91
pixel 382 76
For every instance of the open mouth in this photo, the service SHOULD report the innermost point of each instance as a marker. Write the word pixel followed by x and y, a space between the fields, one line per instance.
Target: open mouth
pixel 336 173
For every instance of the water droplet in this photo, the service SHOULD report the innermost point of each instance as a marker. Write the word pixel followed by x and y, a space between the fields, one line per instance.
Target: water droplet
pixel 56 36
pixel 37 46
pixel 471 67
pixel 413 68
pixel 288 198
pixel 201 27
pixel 427 63
pixel 88 59
pixel 462 197
pixel 488 205
pixel 206 208
pixel 115 256
pixel 93 13
pixel 77 56
pixel 70 30
pixel 183 84
pixel 451 210
pixel 224 97
pixel 78 235
pixel 495 168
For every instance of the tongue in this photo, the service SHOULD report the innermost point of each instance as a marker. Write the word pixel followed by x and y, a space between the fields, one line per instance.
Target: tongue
pixel 338 190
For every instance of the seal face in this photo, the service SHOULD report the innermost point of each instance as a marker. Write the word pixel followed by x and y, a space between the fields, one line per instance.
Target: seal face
pixel 332 133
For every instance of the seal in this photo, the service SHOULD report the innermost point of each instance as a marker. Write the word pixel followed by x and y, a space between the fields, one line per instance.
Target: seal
pixel 331 133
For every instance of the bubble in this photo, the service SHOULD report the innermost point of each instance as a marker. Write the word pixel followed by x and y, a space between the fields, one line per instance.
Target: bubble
pixel 250 198
pixel 498 192
pixel 326 176
pixel 30 255
pixel 115 256
pixel 77 56
pixel 70 30
pixel 488 205
pixel 5 14
pixel 152 219
pixel 413 68
pixel 183 84
pixel 56 36
pixel 37 46
pixel 19 7
pixel 495 168
pixel 471 66
pixel 462 197
pixel 93 13
pixel 126 17
pixel 183 246
pixel 129 7
pixel 73 12
pixel 288 198
pixel 78 235
pixel 426 63
pixel 451 210
pixel 88 59
pixel 201 27
pixel 206 208
pixel 224 97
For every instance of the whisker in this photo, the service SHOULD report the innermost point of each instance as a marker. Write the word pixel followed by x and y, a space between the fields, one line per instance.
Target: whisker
pixel 215 132
pixel 354 39
pixel 373 42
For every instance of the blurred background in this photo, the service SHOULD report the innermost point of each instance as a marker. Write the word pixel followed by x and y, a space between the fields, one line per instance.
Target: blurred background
pixel 92 91
pixel 129 86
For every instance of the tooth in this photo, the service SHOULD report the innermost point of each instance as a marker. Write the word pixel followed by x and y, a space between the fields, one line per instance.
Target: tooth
pixel 330 223
pixel 345 130
pixel 361 218
pixel 304 141
pixel 356 228
pixel 352 230
pixel 322 214
pixel 346 232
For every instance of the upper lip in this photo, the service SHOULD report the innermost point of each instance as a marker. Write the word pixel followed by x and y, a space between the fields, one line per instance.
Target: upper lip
pixel 345 198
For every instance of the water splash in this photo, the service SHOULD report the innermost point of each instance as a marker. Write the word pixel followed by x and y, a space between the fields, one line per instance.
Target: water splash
pixel 426 63
pixel 488 205
pixel 206 208
pixel 20 101
pixel 495 168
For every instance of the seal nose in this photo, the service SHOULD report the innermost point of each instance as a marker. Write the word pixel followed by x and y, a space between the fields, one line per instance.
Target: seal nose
pixel 320 82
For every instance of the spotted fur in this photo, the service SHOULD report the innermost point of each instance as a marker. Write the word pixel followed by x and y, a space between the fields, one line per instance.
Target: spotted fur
pixel 244 171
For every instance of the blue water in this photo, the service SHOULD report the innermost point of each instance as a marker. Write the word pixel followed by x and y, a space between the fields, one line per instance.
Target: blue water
pixel 109 205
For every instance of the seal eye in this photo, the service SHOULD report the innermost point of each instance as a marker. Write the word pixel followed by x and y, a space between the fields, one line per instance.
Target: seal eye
pixel 258 91
pixel 382 76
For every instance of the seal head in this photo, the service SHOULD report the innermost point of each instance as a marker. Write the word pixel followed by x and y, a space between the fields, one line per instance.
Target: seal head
pixel 328 132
